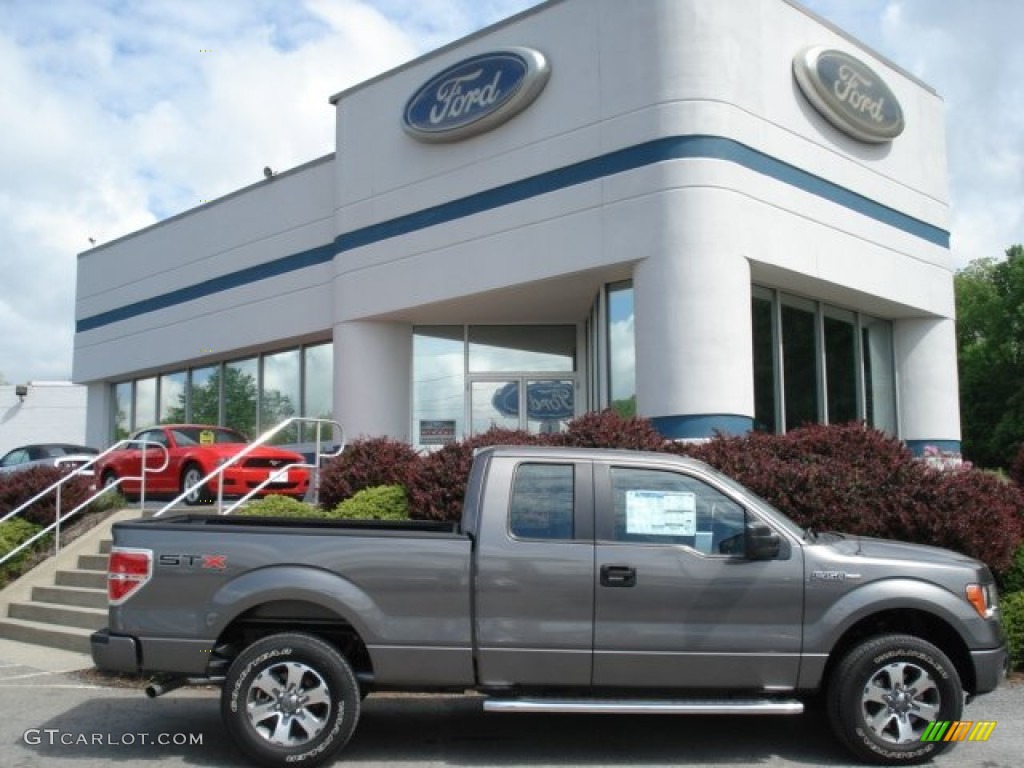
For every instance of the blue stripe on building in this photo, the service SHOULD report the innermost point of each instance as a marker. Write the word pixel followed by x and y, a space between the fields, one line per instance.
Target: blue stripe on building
pixel 630 158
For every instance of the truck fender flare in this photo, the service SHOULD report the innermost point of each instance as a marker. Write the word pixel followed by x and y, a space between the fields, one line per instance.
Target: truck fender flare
pixel 292 582
pixel 886 595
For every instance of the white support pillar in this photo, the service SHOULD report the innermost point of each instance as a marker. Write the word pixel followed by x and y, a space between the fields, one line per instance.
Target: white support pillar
pixel 929 393
pixel 373 378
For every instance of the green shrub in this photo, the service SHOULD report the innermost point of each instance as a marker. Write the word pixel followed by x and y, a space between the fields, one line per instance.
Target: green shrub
pixel 12 533
pixel 280 506
pixel 1011 607
pixel 384 502
pixel 1013 579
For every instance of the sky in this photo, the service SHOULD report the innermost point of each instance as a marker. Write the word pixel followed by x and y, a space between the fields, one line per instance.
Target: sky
pixel 116 114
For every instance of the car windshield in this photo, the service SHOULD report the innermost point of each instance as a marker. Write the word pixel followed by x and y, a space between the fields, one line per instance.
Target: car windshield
pixel 185 436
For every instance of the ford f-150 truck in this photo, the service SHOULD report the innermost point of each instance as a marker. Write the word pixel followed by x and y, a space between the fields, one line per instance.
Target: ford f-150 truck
pixel 579 580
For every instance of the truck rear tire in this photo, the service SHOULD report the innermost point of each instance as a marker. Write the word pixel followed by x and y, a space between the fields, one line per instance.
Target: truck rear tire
pixel 885 693
pixel 290 698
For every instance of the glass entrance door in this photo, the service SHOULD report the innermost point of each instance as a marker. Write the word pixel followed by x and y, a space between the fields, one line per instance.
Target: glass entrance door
pixel 531 403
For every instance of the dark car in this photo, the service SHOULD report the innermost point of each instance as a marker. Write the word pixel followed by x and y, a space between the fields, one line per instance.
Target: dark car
pixel 64 455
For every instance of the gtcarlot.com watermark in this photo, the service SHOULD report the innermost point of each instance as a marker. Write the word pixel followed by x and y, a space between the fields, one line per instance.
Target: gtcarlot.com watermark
pixel 56 737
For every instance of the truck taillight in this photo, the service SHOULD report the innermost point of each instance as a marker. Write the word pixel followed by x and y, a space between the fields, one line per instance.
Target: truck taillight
pixel 127 571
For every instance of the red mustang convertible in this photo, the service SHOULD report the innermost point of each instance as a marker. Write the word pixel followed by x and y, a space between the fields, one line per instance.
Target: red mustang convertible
pixel 195 450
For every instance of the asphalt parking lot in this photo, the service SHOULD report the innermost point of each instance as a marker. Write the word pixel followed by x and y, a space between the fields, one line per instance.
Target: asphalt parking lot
pixel 51 716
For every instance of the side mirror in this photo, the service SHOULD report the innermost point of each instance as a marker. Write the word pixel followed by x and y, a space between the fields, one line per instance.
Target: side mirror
pixel 762 542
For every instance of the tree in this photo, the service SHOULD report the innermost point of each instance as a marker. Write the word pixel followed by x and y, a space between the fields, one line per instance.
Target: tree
pixel 240 398
pixel 990 343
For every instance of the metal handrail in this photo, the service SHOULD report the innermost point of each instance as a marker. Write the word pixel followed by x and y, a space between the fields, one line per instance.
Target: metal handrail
pixel 260 441
pixel 58 517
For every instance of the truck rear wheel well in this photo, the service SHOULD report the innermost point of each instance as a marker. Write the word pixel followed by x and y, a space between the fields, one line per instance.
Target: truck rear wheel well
pixel 911 622
pixel 294 616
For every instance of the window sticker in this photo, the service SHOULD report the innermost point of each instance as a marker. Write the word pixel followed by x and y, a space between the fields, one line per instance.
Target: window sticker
pixel 207 437
pixel 661 513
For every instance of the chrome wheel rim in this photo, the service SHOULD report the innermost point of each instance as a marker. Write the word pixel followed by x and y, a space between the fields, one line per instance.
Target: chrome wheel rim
pixel 191 478
pixel 899 702
pixel 288 704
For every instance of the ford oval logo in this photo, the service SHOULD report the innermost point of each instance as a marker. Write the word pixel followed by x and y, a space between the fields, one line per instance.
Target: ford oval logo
pixel 545 400
pixel 476 95
pixel 849 94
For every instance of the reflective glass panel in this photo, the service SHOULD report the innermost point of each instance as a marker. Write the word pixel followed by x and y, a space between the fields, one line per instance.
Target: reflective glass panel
pixel 240 396
pixel 621 349
pixel 318 388
pixel 439 384
pixel 281 394
pixel 172 398
pixel 204 395
pixel 145 403
pixel 764 364
pixel 799 366
pixel 122 410
pixel 507 348
pixel 840 365
pixel 879 374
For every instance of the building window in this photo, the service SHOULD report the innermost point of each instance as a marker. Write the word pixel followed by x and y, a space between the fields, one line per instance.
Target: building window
pixel 317 388
pixel 241 396
pixel 280 394
pixel 172 398
pixel 204 396
pixel 439 384
pixel 251 395
pixel 621 349
pixel 818 363
pixel 467 379
pixel 145 403
pixel 122 410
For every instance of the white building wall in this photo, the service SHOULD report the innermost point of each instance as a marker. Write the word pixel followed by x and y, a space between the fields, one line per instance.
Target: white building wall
pixel 51 412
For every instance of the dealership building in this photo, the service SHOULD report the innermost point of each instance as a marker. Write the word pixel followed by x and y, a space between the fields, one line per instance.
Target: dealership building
pixel 723 216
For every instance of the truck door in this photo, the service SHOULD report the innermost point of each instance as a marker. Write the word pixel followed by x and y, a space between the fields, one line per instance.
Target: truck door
pixel 677 603
pixel 534 576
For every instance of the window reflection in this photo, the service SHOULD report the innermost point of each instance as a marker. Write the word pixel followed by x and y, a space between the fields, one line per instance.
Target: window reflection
pixel 280 394
pixel 504 348
pixel 240 396
pixel 439 384
pixel 122 410
pixel 621 349
pixel 318 388
pixel 204 395
pixel 172 398
pixel 858 379
pixel 145 403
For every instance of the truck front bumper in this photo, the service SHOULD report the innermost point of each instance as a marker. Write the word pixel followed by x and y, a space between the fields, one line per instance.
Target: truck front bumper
pixel 990 668
pixel 114 653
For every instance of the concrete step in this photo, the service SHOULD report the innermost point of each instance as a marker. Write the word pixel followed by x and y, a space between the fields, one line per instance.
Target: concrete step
pixel 61 615
pixel 76 596
pixel 93 562
pixel 88 579
pixel 67 638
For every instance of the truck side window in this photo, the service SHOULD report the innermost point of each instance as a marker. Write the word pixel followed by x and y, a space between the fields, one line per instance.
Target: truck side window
pixel 660 507
pixel 542 502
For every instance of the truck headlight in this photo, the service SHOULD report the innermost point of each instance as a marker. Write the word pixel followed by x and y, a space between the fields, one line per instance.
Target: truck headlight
pixel 984 598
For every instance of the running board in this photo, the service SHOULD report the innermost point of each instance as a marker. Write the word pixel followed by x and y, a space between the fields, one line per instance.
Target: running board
pixel 649 707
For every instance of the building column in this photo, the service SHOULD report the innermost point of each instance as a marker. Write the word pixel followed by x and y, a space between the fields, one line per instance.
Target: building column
pixel 373 379
pixel 694 356
pixel 929 393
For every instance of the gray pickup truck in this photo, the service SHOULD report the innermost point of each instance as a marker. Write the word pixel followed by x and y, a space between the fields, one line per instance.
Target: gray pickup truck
pixel 578 581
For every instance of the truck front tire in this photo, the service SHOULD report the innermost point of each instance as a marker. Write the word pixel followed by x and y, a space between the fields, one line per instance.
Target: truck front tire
pixel 290 699
pixel 885 693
